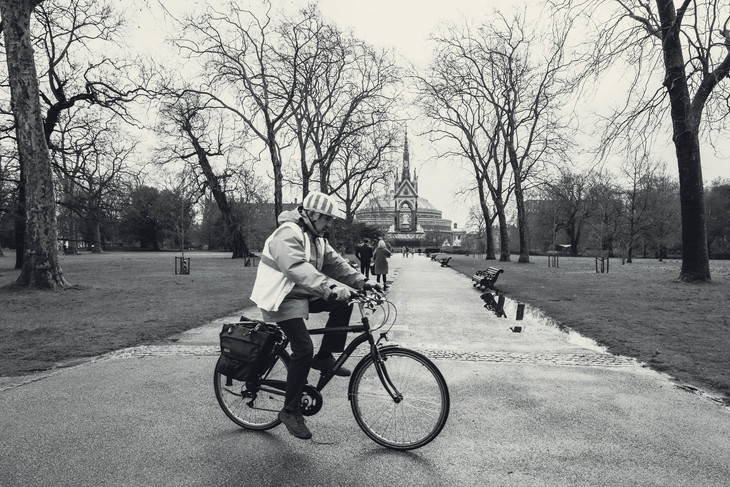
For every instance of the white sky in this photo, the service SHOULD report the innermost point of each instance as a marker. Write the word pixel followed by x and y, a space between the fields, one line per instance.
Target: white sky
pixel 404 25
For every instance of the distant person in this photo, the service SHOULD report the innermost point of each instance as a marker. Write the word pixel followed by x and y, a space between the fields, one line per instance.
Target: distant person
pixel 380 257
pixel 300 273
pixel 365 254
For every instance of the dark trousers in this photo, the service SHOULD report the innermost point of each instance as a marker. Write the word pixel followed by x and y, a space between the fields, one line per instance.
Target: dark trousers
pixel 302 349
pixel 365 267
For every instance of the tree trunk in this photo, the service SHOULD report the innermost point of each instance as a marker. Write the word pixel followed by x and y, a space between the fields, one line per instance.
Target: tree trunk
pixel 20 220
pixel 240 247
pixel 632 238
pixel 685 124
pixel 695 257
pixel 504 254
pixel 41 267
pixel 73 246
pixel 522 223
pixel 487 221
pixel 489 231
pixel 98 248
pixel 278 176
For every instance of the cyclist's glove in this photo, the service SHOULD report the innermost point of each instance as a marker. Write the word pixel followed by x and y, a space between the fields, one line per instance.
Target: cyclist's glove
pixel 369 286
pixel 340 294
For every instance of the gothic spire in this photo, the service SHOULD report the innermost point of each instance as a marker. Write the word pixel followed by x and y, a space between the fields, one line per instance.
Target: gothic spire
pixel 406 160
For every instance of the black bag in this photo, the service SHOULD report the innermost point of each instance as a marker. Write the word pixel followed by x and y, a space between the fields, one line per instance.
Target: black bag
pixel 372 269
pixel 245 348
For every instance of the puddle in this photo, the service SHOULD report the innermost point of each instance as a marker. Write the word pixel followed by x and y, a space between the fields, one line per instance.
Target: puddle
pixel 535 317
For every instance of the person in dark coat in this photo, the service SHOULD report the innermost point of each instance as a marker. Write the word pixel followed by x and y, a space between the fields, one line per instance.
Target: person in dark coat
pixel 364 253
pixel 380 257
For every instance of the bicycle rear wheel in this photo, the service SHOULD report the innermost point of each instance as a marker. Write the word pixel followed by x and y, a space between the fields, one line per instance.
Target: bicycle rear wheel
pixel 253 404
pixel 411 421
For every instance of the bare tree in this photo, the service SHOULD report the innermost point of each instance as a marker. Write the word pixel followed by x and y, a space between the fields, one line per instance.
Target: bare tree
pixel 41 267
pixel 497 92
pixel 196 134
pixel 250 71
pixel 606 210
pixel 569 195
pixel 531 81
pixel 638 171
pixel 690 46
pixel 664 217
pixel 452 96
pixel 92 163
pixel 362 168
pixel 346 90
pixel 67 37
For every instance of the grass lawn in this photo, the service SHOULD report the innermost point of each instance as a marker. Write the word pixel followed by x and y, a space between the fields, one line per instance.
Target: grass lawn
pixel 124 299
pixel 638 310
pixel 119 299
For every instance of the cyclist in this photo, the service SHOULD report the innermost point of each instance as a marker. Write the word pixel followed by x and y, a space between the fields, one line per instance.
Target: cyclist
pixel 301 273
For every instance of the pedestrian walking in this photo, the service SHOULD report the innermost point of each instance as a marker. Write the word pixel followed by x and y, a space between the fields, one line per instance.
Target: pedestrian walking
pixel 380 257
pixel 364 253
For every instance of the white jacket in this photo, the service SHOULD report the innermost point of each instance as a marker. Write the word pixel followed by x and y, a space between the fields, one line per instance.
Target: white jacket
pixel 296 267
pixel 272 286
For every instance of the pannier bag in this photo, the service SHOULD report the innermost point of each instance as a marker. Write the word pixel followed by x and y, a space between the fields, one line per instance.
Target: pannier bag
pixel 245 347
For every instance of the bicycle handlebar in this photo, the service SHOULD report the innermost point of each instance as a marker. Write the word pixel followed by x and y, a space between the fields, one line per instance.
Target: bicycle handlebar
pixel 365 297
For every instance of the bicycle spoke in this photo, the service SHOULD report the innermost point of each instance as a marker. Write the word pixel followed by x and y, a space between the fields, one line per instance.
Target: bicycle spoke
pixel 411 422
pixel 253 405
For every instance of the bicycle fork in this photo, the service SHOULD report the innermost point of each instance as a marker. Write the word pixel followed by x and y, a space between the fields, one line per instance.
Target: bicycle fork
pixel 383 375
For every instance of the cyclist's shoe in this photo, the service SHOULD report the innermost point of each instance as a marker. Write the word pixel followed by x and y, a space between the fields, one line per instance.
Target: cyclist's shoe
pixel 295 423
pixel 326 364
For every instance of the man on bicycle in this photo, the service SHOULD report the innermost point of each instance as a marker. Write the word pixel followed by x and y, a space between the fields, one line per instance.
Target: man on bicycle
pixel 300 273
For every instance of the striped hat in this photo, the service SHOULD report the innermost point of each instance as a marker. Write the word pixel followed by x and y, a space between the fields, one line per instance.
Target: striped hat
pixel 322 203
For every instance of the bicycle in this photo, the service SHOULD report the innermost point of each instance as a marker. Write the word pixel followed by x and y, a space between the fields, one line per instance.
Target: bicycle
pixel 399 398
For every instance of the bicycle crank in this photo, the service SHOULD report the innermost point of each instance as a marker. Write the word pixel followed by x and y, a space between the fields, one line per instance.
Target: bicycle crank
pixel 311 401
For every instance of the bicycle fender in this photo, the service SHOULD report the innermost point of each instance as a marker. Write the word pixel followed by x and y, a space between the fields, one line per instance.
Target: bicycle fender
pixel 361 364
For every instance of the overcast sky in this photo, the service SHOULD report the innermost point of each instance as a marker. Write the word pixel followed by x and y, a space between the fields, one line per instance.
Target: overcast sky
pixel 404 26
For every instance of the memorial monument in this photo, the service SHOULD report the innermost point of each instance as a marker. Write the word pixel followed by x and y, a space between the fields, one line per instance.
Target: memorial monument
pixel 403 216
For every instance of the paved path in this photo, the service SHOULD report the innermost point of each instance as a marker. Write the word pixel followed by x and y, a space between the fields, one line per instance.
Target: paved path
pixel 538 408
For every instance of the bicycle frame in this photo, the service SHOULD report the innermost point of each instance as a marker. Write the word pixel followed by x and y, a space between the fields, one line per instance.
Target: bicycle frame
pixel 365 336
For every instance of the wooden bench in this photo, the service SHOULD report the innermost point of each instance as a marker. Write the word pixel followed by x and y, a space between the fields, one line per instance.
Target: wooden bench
pixel 486 278
pixel 445 262
pixel 478 275
pixel 433 257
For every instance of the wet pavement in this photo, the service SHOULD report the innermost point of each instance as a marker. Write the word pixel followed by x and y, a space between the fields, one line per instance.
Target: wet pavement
pixel 541 407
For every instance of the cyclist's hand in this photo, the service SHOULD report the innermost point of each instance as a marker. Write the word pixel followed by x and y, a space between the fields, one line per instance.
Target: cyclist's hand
pixel 340 294
pixel 370 286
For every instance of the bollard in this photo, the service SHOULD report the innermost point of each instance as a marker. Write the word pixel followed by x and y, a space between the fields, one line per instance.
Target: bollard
pixel 604 264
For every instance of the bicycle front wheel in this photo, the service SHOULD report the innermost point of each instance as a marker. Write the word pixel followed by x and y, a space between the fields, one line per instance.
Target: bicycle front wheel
pixel 253 404
pixel 418 413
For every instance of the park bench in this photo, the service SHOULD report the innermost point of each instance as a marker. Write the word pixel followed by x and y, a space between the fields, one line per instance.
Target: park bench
pixel 485 279
pixel 445 262
pixel 478 276
pixel 433 257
